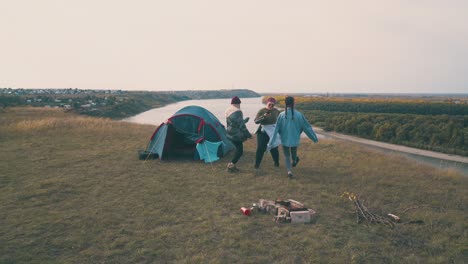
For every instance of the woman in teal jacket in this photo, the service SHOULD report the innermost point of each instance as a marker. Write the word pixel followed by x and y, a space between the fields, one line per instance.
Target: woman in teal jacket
pixel 290 124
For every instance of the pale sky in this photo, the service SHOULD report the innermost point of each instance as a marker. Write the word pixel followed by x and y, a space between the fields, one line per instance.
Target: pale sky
pixel 347 46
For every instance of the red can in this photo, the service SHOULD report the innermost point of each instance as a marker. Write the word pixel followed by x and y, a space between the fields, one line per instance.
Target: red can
pixel 245 211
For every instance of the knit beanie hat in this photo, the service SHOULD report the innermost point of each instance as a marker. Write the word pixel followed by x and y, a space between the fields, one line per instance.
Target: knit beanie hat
pixel 235 100
pixel 271 100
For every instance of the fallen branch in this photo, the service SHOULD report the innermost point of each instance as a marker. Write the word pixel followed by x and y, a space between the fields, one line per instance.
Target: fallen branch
pixel 364 215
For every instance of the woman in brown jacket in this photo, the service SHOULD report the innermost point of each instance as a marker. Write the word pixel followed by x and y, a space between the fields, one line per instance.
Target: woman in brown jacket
pixel 266 117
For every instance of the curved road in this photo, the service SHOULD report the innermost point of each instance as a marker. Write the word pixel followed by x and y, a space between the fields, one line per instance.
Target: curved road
pixel 394 147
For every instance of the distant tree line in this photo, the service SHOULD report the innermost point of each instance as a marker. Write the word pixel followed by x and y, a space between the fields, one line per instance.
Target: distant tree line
pixel 431 126
pixel 8 101
pixel 417 108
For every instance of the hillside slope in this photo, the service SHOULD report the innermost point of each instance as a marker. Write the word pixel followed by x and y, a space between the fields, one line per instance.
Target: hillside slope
pixel 73 190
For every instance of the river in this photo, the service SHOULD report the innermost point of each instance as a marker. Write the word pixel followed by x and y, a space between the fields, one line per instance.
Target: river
pixel 250 107
pixel 156 116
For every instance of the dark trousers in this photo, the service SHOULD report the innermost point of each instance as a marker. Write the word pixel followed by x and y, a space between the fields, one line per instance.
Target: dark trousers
pixel 262 142
pixel 239 151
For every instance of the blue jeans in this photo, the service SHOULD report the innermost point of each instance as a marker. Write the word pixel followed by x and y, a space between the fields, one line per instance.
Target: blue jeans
pixel 289 152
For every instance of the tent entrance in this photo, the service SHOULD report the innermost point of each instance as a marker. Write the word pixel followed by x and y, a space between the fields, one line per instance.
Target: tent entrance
pixel 179 145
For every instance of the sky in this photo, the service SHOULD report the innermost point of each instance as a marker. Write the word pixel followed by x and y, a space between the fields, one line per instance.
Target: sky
pixel 360 46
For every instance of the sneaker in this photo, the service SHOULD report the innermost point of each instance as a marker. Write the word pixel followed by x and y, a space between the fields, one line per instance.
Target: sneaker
pixel 290 175
pixel 295 162
pixel 232 168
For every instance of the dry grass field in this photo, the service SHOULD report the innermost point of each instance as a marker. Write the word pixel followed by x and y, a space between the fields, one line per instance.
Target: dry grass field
pixel 72 190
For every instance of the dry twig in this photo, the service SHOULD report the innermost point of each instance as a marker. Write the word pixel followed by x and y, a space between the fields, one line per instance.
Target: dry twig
pixel 364 215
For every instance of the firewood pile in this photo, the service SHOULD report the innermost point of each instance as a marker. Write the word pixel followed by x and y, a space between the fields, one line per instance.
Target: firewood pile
pixel 285 211
pixel 363 215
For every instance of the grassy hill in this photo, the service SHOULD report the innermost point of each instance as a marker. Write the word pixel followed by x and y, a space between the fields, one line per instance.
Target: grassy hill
pixel 73 191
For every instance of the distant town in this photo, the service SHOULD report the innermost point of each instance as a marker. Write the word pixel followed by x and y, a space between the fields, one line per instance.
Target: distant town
pixel 21 91
pixel 107 103
pixel 65 98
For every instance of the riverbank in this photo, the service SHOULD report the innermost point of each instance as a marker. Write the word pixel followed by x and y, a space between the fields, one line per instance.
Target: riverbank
pixel 106 103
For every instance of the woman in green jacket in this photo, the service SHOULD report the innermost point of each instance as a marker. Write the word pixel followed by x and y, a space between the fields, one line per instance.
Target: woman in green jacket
pixel 236 131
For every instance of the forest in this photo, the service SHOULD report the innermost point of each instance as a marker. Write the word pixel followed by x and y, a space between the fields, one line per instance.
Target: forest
pixel 424 124
pixel 412 107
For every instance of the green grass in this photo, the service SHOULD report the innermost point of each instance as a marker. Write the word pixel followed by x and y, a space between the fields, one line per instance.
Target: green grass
pixel 73 191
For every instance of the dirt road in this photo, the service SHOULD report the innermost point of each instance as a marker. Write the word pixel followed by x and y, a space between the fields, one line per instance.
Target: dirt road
pixel 394 147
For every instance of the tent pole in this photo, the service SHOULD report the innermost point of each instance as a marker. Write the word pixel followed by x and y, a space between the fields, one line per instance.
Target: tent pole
pixel 149 152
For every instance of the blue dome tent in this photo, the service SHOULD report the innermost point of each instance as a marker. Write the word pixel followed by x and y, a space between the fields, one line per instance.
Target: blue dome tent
pixel 192 132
